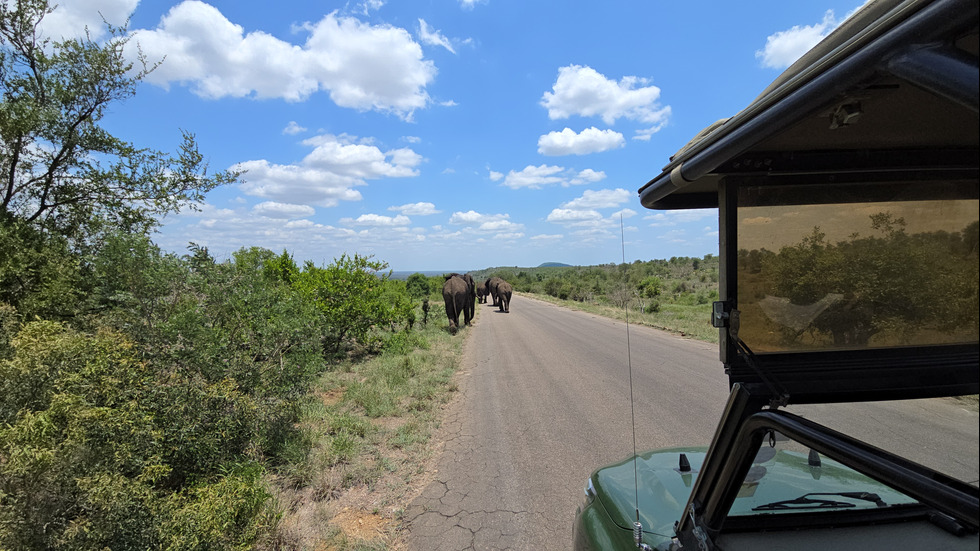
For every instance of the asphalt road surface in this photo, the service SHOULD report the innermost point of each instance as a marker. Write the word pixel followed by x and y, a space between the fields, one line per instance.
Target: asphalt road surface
pixel 546 400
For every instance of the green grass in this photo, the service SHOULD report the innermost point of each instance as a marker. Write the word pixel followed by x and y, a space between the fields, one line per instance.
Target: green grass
pixel 692 320
pixel 368 425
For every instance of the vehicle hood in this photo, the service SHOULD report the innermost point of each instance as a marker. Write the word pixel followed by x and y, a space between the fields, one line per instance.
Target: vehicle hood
pixel 664 489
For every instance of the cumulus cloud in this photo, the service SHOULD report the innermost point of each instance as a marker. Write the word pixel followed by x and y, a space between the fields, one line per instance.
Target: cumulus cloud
pixel 574 217
pixel 472 218
pixel 289 211
pixel 416 209
pixel 377 221
pixel 293 128
pixel 342 56
pixel 476 222
pixel 590 140
pixel 433 37
pixel 224 231
pixel 785 47
pixel 368 6
pixel 624 214
pixel 329 173
pixel 537 177
pixel 583 91
pixel 599 199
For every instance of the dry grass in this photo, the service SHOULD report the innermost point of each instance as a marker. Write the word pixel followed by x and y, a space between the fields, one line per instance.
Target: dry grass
pixel 369 425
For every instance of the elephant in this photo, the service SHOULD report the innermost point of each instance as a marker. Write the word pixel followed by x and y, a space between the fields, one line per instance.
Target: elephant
pixel 482 292
pixel 459 294
pixel 492 288
pixel 504 293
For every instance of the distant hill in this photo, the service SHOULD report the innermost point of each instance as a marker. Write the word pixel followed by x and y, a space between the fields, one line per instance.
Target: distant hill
pixel 554 265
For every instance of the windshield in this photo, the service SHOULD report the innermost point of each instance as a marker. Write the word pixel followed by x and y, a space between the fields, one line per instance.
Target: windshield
pixel 787 477
pixel 857 266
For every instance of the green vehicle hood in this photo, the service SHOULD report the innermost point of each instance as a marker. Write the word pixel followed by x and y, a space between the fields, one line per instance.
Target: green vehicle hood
pixel 664 489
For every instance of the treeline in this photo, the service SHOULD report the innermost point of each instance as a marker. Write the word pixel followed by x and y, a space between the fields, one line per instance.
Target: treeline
pixel 144 394
pixel 646 285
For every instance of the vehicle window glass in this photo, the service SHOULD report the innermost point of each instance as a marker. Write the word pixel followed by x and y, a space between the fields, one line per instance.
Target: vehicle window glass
pixel 857 266
pixel 787 478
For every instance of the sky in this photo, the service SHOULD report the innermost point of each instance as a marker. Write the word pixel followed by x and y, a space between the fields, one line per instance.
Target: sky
pixel 439 135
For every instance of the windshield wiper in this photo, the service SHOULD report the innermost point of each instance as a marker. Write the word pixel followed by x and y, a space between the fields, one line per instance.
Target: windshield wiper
pixel 807 502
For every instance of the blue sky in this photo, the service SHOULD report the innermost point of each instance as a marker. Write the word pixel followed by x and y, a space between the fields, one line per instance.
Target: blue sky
pixel 445 134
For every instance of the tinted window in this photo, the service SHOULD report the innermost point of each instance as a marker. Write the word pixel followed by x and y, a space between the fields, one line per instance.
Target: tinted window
pixel 857 266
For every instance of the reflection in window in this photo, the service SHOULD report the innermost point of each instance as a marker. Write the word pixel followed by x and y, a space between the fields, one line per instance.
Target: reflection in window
pixel 787 477
pixel 856 274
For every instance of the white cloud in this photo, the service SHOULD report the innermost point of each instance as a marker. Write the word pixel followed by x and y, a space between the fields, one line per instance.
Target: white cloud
pixel 224 231
pixel 342 56
pixel 624 214
pixel 599 199
pixel 587 176
pixel 293 128
pixel 416 209
pixel 328 174
pixel 367 6
pixel 433 37
pixel 470 4
pixel 785 47
pixel 574 217
pixel 272 209
pixel 341 156
pixel 473 218
pixel 511 236
pixel 377 221
pixel 537 177
pixel 590 140
pixel 479 223
pixel 71 17
pixel 583 91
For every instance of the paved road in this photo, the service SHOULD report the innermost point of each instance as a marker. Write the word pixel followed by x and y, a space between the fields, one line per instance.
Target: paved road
pixel 546 400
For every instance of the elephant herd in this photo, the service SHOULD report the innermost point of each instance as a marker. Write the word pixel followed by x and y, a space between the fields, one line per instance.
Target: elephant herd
pixel 460 292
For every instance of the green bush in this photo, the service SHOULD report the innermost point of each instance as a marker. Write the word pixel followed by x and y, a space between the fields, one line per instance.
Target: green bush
pixel 350 298
pixel 230 513
pixel 79 451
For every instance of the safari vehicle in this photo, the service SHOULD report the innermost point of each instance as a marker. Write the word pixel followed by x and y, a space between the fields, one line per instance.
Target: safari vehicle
pixel 847 195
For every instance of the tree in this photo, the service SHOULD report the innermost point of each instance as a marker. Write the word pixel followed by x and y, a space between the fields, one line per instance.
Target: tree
pixel 417 286
pixel 59 169
pixel 651 287
pixel 349 296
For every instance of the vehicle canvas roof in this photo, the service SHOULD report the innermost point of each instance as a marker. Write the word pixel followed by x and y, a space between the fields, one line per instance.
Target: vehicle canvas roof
pixel 911 66
pixel 892 92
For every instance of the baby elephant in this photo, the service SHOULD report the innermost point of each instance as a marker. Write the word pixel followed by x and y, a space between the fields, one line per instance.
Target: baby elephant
pixel 504 292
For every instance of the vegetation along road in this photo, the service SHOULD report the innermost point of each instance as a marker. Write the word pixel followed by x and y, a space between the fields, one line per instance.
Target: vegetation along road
pixel 546 399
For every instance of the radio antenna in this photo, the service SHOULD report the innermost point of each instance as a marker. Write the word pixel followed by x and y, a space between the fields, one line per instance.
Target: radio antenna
pixel 637 527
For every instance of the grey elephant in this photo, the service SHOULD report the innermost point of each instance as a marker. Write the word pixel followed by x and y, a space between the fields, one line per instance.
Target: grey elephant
pixel 492 288
pixel 504 293
pixel 482 292
pixel 459 294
